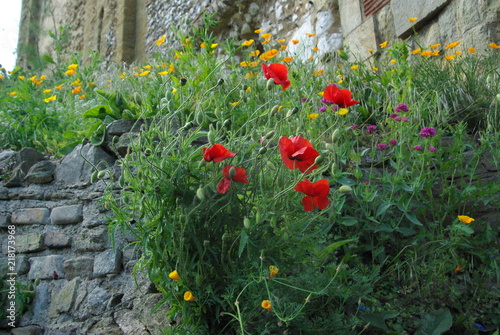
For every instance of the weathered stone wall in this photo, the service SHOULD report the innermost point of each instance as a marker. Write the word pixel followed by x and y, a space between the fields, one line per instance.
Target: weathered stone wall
pixel 61 238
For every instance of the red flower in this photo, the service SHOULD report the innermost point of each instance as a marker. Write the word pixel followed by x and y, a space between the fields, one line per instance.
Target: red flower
pixel 278 72
pixel 297 152
pixel 216 153
pixel 240 176
pixel 316 194
pixel 343 98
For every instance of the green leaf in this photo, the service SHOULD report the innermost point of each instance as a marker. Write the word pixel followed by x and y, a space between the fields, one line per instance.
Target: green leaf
pixel 413 219
pixel 49 59
pixel 436 322
pixel 243 242
pixel 98 112
pixel 98 136
pixel 332 247
pixel 69 147
pixel 348 221
pixel 377 319
pixel 69 134
pixel 382 209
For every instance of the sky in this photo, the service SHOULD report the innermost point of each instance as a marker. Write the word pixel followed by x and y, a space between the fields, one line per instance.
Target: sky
pixel 10 14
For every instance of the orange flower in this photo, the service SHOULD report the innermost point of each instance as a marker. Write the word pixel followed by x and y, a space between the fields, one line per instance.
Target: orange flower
pixel 269 54
pixel 144 74
pixel 247 43
pixel 412 19
pixel 493 45
pixel 458 269
pixel 70 72
pixel 254 53
pixel 83 96
pixel 287 59
pixel 266 36
pixel 59 87
pixel 295 41
pixel 315 49
pixel 73 67
pixel 273 271
pixel 434 46
pixel 310 35
pixel 49 99
pixel 472 50
pixel 416 51
pixel 174 275
pixel 450 57
pixel 258 31
pixel 188 296
pixel 465 219
pixel 76 90
pixel 452 45
pixel 426 53
pixel 383 44
pixel 266 304
pixel 281 41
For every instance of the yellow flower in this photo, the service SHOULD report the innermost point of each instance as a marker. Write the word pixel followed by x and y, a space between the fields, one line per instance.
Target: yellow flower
pixel 144 74
pixel 383 44
pixel 370 51
pixel 416 51
pixel 310 35
pixel 374 68
pixel 255 53
pixel 393 61
pixel 321 93
pixel 266 36
pixel 295 41
pixel 465 219
pixel 73 67
pixel 32 78
pixel 174 275
pixel 12 93
pixel 186 42
pixel 354 67
pixel 310 58
pixel 247 43
pixel 1 76
pixel 123 75
pixel 59 87
pixel 434 46
pixel 235 103
pixel 47 91
pixel 174 91
pixel 203 45
pixel 412 19
pixel 452 45
pixel 287 59
pixel 163 73
pixel 283 47
pixel 43 77
pixel 281 41
pixel 435 52
pixel 70 72
pixel 266 41
pixel 458 268
pixel 83 96
pixel 21 77
pixel 458 53
pixel 77 89
pixel 315 49
pixel 91 83
pixel 426 53
pixel 269 54
pixel 258 31
pixel 147 67
pixel 248 64
pixel 319 73
pixel 248 89
pixel 188 296
pixel 472 50
pixel 161 40
pixel 312 116
pixel 343 111
pixel 76 82
pixel 266 304
pixel 250 75
pixel 273 270
pixel 493 45
pixel 49 99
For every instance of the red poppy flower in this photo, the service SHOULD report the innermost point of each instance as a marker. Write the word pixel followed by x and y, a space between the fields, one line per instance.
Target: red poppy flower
pixel 316 194
pixel 240 176
pixel 343 98
pixel 278 72
pixel 297 152
pixel 216 153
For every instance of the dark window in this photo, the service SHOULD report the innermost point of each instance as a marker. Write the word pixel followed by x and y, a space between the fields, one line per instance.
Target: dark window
pixel 372 6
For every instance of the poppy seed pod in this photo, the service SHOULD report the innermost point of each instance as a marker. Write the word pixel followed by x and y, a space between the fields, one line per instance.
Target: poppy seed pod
pixel 246 223
pixel 262 150
pixel 270 84
pixel 200 193
pixel 93 177
pixel 199 117
pixel 345 189
pixel 336 135
pixel 319 159
pixel 211 136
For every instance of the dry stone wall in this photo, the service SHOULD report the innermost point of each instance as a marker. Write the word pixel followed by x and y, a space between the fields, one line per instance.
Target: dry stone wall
pixel 85 285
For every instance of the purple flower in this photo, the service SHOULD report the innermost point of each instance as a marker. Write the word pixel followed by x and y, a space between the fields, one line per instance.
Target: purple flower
pixel 303 100
pixel 393 115
pixel 326 102
pixel 432 149
pixel 397 118
pixel 354 126
pixel 417 147
pixel 322 109
pixel 480 326
pixel 427 132
pixel 335 108
pixel 405 119
pixel 393 142
pixel 371 129
pixel 382 146
pixel 401 108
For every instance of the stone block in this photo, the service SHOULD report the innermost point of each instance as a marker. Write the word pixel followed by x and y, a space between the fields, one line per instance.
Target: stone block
pixel 78 267
pixel 423 10
pixel 46 267
pixel 73 169
pixel 361 39
pixel 107 262
pixel 94 239
pixel 24 160
pixel 120 127
pixel 129 323
pixel 65 298
pixel 30 216
pixel 28 330
pixel 4 220
pixel 31 242
pixel 22 264
pixel 67 214
pixel 41 173
pixel 57 240
pixel 351 15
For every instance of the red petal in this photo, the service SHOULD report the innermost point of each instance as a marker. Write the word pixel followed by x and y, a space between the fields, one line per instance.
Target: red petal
pixel 216 153
pixel 321 202
pixel 278 72
pixel 308 203
pixel 304 186
pixel 321 188
pixel 224 185
pixel 241 175
pixel 299 141
pixel 286 150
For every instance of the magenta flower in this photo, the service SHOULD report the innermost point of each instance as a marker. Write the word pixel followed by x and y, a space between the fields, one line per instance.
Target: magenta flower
pixel 397 118
pixel 432 149
pixel 427 132
pixel 322 109
pixel 371 129
pixel 401 108
pixel 354 126
pixel 393 142
pixel 417 147
pixel 382 146
pixel 405 119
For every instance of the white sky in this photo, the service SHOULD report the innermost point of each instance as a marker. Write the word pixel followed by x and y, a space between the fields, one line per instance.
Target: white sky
pixel 10 14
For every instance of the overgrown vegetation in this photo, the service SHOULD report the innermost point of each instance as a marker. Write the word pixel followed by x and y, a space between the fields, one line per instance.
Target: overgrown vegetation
pixel 225 190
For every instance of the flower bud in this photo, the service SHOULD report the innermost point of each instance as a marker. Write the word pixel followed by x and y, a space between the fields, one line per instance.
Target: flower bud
pixel 292 112
pixel 269 135
pixel 211 135
pixel 262 150
pixel 232 172
pixel 199 117
pixel 319 159
pixel 336 135
pixel 206 243
pixel 329 147
pixel 101 174
pixel 345 189
pixel 200 193
pixel 148 152
pixel 220 82
pixel 93 177
pixel 227 123
pixel 270 84
pixel 246 223
pixel 275 109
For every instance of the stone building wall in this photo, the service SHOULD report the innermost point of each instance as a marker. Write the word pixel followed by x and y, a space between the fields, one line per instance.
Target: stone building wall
pixel 85 284
pixel 126 30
